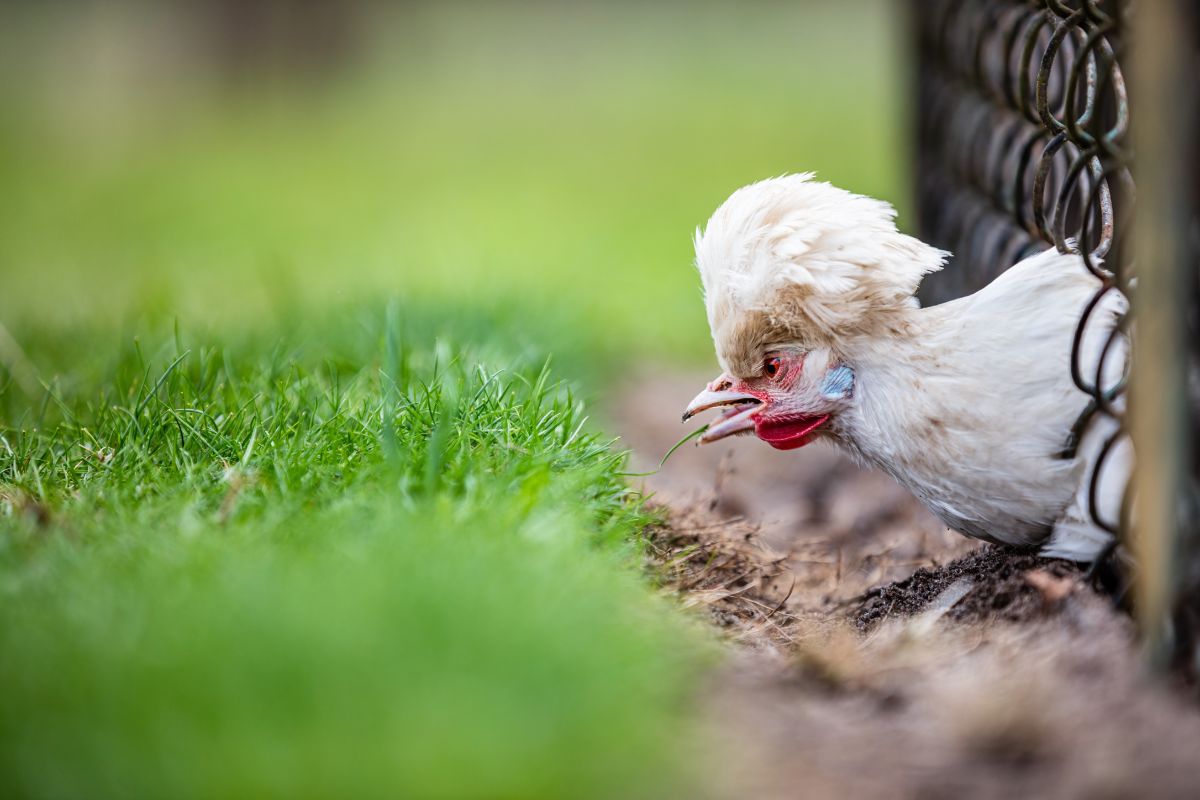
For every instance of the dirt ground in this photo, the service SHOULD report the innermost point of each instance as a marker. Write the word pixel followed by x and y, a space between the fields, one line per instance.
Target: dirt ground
pixel 876 654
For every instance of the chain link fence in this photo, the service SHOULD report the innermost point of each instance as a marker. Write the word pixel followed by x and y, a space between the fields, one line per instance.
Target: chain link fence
pixel 1025 140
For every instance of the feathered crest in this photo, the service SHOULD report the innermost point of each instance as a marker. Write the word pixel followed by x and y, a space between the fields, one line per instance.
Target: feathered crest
pixel 792 260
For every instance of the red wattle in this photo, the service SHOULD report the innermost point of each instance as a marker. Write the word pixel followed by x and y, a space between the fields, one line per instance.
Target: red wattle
pixel 790 432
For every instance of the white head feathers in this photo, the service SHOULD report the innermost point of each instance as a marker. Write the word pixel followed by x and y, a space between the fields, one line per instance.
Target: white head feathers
pixel 791 260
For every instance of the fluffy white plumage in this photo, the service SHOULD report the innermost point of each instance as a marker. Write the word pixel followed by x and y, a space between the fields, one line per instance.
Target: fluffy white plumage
pixel 799 259
pixel 969 404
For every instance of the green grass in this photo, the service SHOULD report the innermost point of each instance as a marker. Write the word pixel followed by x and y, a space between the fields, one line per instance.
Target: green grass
pixel 290 502
pixel 301 572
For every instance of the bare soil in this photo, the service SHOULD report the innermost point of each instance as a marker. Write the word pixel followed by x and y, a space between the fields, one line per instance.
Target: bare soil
pixel 874 653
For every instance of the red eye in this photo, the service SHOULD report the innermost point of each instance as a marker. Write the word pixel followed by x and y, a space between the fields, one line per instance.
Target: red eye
pixel 771 367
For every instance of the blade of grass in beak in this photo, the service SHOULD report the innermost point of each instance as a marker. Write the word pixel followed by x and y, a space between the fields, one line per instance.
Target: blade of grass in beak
pixel 698 432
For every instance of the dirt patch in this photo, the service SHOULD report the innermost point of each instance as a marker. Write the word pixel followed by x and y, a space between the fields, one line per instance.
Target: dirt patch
pixel 876 655
pixel 723 567
pixel 998 583
pixel 1056 708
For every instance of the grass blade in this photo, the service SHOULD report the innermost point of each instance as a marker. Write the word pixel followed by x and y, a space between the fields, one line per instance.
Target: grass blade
pixel 694 434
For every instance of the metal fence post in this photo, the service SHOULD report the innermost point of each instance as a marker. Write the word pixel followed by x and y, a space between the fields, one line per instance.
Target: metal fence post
pixel 1161 402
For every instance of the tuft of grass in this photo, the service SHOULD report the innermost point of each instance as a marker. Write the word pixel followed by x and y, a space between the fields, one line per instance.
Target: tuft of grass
pixel 259 570
pixel 185 420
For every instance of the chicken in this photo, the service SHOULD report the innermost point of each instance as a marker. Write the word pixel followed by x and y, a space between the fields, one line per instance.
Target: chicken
pixel 970 404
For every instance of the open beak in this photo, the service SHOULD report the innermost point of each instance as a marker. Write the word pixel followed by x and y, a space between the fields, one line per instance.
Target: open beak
pixel 737 418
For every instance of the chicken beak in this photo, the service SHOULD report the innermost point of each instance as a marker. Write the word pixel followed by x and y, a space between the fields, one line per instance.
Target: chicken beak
pixel 710 399
pixel 738 419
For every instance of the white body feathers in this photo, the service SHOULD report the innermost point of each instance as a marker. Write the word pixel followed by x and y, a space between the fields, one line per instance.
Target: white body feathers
pixel 973 413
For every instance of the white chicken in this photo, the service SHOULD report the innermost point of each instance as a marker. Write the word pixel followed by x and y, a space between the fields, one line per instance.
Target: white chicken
pixel 969 404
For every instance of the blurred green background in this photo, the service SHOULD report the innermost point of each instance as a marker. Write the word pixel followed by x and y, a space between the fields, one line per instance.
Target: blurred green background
pixel 222 161
pixel 289 505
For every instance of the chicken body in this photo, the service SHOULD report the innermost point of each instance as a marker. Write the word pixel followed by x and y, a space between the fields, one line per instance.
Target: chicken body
pixel 969 404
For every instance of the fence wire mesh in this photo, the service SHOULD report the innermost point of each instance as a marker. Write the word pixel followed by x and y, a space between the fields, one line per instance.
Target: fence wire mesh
pixel 1023 126
pixel 1023 132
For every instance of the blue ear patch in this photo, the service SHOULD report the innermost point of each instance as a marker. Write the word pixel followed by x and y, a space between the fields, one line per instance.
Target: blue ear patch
pixel 838 383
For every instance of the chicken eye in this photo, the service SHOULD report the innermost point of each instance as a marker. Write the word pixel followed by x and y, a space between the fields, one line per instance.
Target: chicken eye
pixel 771 366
